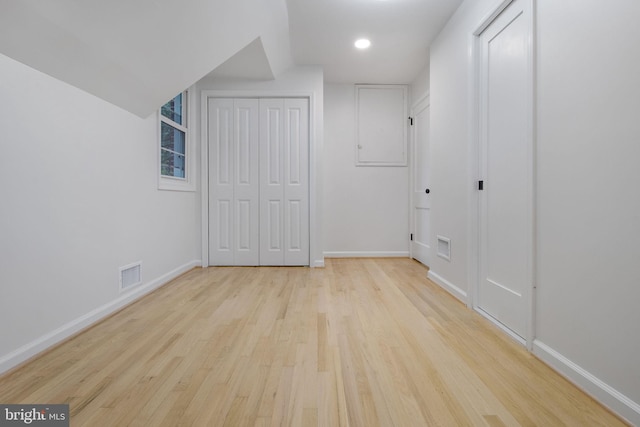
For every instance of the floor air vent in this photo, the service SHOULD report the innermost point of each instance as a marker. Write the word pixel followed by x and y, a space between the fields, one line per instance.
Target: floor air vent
pixel 444 248
pixel 130 275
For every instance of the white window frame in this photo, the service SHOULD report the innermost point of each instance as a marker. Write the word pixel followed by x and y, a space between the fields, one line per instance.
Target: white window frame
pixel 188 183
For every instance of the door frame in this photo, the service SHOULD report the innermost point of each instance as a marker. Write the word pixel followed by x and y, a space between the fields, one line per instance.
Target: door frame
pixel 474 167
pixel 315 259
pixel 425 97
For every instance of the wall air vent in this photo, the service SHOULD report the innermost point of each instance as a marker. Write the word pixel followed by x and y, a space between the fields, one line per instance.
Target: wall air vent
pixel 130 275
pixel 444 248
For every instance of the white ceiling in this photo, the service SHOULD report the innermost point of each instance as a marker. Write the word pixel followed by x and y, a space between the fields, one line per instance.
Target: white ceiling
pixel 138 54
pixel 322 32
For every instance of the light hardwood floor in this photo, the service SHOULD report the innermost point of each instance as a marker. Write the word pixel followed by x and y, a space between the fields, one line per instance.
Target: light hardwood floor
pixel 362 342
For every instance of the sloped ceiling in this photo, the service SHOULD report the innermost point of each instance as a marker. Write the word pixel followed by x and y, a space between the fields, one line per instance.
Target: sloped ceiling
pixel 251 63
pixel 138 54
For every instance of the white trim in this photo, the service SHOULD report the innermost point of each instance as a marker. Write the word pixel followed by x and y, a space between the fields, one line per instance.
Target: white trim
pixel 532 91
pixel 491 16
pixel 447 286
pixel 473 224
pixel 367 254
pixel 421 99
pixel 204 177
pixel 253 93
pixel 314 162
pixel 473 167
pixel 189 182
pixel 501 326
pixel 590 384
pixel 69 329
pixel 424 98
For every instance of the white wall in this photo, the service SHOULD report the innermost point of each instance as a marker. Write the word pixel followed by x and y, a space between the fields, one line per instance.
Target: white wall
pixel 588 197
pixel 78 199
pixel 451 178
pixel 296 81
pixel 366 208
pixel 587 201
pixel 419 86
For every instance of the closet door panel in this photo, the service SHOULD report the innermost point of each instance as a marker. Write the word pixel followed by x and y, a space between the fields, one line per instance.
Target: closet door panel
pixel 221 183
pixel 271 181
pixel 296 181
pixel 272 232
pixel 234 229
pixel 246 182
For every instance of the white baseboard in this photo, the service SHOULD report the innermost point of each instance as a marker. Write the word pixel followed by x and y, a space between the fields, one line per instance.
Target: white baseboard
pixel 48 340
pixel 502 327
pixel 448 286
pixel 319 263
pixel 598 389
pixel 367 254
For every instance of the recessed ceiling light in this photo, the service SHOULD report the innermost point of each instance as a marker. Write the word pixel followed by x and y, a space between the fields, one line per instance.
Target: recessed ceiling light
pixel 362 43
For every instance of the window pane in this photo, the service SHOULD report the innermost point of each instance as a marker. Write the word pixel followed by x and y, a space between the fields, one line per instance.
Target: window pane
pixel 172 164
pixel 172 139
pixel 173 109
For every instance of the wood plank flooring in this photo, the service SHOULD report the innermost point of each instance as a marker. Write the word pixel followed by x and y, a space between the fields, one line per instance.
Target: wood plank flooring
pixel 362 342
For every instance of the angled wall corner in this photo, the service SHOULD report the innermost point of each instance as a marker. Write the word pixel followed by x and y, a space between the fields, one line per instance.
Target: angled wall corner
pixel 146 61
pixel 250 63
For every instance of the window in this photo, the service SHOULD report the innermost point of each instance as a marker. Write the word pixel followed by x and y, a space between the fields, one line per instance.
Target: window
pixel 176 162
pixel 173 136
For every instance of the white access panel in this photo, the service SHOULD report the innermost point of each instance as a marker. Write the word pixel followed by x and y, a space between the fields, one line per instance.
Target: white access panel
pixel 381 123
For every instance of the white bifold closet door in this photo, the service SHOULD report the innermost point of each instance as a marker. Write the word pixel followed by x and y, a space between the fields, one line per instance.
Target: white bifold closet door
pixel 233 182
pixel 258 181
pixel 284 182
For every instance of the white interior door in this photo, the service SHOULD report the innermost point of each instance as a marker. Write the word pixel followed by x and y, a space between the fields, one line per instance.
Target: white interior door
pixel 284 182
pixel 421 193
pixel 505 241
pixel 233 182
